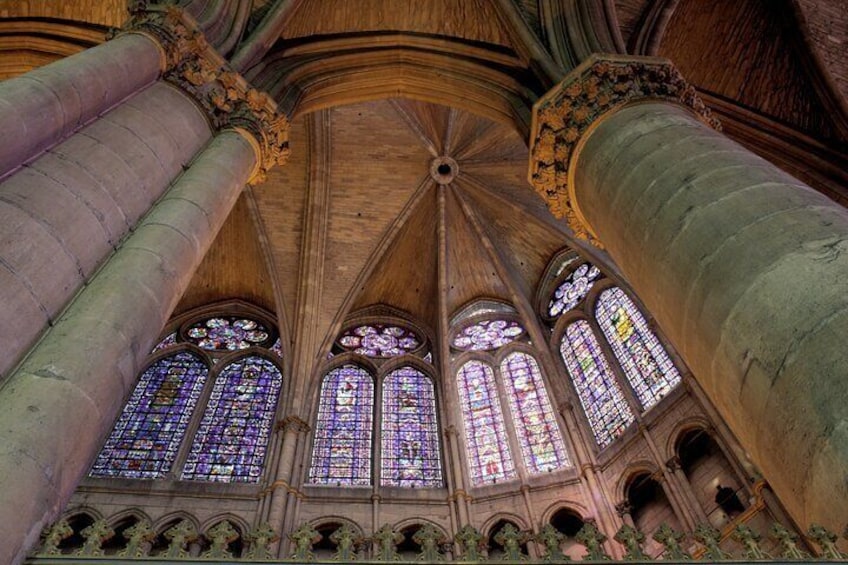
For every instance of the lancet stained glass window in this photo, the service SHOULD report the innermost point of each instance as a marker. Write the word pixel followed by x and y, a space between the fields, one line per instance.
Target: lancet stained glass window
pixel 410 435
pixel 538 434
pixel 227 333
pixel 230 443
pixel 645 361
pixel 341 453
pixel 379 340
pixel 599 393
pixel 147 435
pixel 489 458
pixel 488 334
pixel 573 289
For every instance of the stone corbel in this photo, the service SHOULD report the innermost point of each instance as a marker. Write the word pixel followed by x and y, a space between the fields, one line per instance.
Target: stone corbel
pixel 227 99
pixel 563 116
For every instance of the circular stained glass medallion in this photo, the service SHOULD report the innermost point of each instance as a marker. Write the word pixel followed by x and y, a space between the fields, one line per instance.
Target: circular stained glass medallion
pixel 488 334
pixel 227 333
pixel 573 289
pixel 379 340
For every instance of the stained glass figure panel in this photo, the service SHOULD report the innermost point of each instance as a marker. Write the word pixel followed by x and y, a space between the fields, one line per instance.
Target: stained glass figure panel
pixel 488 334
pixel 232 439
pixel 600 395
pixel 573 289
pixel 379 340
pixel 410 435
pixel 535 424
pixel 645 361
pixel 167 341
pixel 489 458
pixel 227 333
pixel 341 454
pixel 147 435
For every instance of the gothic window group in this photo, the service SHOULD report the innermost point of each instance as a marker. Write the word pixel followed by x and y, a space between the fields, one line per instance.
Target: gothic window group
pixel 367 415
pixel 204 407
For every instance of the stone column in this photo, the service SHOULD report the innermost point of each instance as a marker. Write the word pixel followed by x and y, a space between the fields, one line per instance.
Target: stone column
pixel 743 266
pixel 458 494
pixel 292 427
pixel 677 475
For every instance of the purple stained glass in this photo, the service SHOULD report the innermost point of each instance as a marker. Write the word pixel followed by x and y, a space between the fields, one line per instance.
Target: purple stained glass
pixel 538 434
pixel 489 459
pixel 410 434
pixel 489 334
pixel 147 435
pixel 227 333
pixel 277 348
pixel 379 340
pixel 645 361
pixel 167 341
pixel 573 289
pixel 601 397
pixel 232 439
pixel 341 453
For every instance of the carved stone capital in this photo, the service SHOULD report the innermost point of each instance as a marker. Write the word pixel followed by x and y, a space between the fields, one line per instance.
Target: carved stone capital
pixel 623 508
pixel 673 464
pixel 228 100
pixel 561 118
pixel 293 423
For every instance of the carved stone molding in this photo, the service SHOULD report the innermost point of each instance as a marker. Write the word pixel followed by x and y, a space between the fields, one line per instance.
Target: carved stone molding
pixel 561 118
pixel 228 100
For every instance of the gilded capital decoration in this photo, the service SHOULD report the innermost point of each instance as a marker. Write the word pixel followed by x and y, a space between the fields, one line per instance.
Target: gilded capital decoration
pixel 600 85
pixel 228 100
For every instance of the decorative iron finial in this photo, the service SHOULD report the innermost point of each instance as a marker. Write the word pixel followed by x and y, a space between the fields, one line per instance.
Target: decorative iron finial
pixel 511 539
pixel 345 539
pixel 552 539
pixel 632 539
pixel 55 534
pixel 672 541
pixel 260 539
pixel 750 541
pixel 593 540
pixel 788 542
pixel 179 536
pixel 826 541
pixel 387 540
pixel 469 538
pixel 304 537
pixel 220 536
pixel 139 537
pixel 94 536
pixel 710 537
pixel 429 538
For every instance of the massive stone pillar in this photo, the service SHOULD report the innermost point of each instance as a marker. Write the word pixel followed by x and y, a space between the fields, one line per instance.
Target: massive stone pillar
pixel 60 402
pixel 743 266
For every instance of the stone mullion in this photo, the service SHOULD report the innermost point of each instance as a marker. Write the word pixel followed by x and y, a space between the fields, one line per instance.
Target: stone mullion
pixel 734 237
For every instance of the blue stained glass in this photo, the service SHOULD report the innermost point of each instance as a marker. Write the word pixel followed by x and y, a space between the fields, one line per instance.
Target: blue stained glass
pixel 232 439
pixel 538 434
pixel 341 453
pixel 644 360
pixel 147 435
pixel 489 458
pixel 600 395
pixel 277 348
pixel 167 341
pixel 573 289
pixel 410 435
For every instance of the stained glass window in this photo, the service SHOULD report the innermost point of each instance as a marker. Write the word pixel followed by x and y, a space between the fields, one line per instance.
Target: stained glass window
pixel 573 289
pixel 599 393
pixel 379 340
pixel 538 434
pixel 489 459
pixel 489 334
pixel 410 435
pixel 230 443
pixel 167 341
pixel 341 453
pixel 644 360
pixel 227 333
pixel 147 435
pixel 277 348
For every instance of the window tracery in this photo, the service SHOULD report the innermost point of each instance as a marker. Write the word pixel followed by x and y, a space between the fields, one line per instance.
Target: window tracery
pixel 379 340
pixel 230 442
pixel 487 334
pixel 573 289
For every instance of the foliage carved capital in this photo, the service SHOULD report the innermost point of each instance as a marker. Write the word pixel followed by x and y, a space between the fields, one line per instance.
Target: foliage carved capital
pixel 227 99
pixel 562 117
